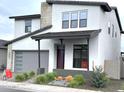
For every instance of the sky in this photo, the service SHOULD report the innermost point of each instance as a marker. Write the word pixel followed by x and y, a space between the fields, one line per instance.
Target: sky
pixel 26 7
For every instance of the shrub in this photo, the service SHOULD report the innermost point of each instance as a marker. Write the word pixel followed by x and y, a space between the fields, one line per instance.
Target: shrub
pixel 69 78
pixel 51 76
pixel 80 79
pixel 25 75
pixel 99 78
pixel 19 78
pixel 41 79
pixel 77 81
pixel 73 84
pixel 31 74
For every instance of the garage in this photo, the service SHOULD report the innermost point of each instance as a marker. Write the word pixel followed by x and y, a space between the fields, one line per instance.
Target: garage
pixel 28 61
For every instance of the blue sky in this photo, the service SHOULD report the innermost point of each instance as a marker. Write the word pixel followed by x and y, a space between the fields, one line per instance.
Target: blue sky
pixel 24 7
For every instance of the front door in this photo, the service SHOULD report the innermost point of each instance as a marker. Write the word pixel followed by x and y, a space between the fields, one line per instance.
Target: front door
pixel 60 56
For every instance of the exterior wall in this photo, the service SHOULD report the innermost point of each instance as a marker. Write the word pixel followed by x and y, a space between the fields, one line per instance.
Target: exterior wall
pixel 93 19
pixel 108 46
pixel 20 27
pixel 9 57
pixel 3 56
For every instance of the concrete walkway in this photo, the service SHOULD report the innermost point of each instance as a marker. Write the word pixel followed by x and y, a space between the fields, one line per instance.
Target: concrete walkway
pixel 39 88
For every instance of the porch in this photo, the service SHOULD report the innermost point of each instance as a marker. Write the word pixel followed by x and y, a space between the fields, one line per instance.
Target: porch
pixel 78 56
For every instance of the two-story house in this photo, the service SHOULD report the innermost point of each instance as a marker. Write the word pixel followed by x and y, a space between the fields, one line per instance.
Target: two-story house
pixel 70 35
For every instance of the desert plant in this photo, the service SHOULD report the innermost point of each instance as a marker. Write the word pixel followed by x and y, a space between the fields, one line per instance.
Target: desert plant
pixel 31 74
pixel 80 79
pixel 41 79
pixel 99 78
pixel 51 76
pixel 19 78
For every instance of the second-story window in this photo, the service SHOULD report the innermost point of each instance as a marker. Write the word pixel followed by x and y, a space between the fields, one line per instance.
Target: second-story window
pixel 83 18
pixel 65 20
pixel 74 20
pixel 28 26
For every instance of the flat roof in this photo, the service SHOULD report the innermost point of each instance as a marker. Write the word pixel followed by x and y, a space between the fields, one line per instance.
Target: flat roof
pixel 67 35
pixel 103 5
pixel 33 16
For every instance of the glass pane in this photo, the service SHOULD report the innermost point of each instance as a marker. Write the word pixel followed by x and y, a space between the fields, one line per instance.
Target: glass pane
pixel 80 59
pixel 27 22
pixel 83 14
pixel 65 16
pixel 65 24
pixel 74 16
pixel 83 23
pixel 74 23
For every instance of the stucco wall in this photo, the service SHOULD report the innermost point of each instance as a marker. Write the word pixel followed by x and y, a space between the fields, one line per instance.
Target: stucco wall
pixel 108 46
pixel 93 18
pixel 20 27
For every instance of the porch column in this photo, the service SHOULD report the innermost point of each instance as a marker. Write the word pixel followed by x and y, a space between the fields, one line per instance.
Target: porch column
pixel 38 69
pixel 38 53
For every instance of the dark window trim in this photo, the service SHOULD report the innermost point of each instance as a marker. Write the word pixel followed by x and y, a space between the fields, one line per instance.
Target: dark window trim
pixel 29 25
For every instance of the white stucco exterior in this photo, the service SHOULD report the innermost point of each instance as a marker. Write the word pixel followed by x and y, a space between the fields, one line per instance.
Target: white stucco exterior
pixel 20 26
pixel 101 47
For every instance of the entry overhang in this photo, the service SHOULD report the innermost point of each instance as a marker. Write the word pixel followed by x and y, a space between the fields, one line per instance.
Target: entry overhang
pixel 67 35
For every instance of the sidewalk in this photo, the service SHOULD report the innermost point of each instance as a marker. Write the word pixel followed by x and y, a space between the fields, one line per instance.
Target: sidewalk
pixel 39 88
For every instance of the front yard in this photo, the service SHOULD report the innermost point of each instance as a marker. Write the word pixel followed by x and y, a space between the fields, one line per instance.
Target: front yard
pixel 113 86
pixel 77 81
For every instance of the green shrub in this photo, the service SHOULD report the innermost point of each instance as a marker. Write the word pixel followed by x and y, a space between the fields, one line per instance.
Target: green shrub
pixel 31 74
pixel 51 76
pixel 80 79
pixel 25 75
pixel 41 79
pixel 19 78
pixel 99 78
pixel 77 81
pixel 73 84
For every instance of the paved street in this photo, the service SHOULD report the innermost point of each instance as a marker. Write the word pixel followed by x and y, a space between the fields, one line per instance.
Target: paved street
pixel 3 89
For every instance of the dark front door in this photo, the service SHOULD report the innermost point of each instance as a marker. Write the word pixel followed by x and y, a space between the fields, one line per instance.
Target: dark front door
pixel 60 56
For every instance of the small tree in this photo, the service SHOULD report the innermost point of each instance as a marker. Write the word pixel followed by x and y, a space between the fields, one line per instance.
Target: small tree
pixel 99 78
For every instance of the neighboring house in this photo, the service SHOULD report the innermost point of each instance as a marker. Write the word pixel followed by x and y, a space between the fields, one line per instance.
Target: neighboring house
pixel 3 54
pixel 71 35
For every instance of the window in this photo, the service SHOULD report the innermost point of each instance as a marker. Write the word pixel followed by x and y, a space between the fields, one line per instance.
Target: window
pixel 116 34
pixel 112 30
pixel 83 18
pixel 65 20
pixel 80 56
pixel 74 20
pixel 109 28
pixel 27 26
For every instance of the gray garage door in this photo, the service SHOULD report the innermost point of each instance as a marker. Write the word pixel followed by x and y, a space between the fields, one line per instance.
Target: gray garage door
pixel 27 61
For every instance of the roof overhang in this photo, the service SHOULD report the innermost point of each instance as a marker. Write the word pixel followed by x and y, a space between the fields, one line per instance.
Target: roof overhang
pixel 67 35
pixel 34 16
pixel 103 5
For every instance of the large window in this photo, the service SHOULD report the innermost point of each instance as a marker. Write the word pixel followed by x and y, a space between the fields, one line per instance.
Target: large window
pixel 27 26
pixel 80 56
pixel 74 19
pixel 65 20
pixel 83 18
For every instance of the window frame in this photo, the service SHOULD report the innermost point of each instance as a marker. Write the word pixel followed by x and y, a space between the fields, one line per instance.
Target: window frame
pixel 63 27
pixel 74 20
pixel 28 25
pixel 86 57
pixel 80 19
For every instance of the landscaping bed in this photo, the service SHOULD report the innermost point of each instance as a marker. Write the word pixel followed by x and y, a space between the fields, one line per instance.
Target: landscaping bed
pixel 98 82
